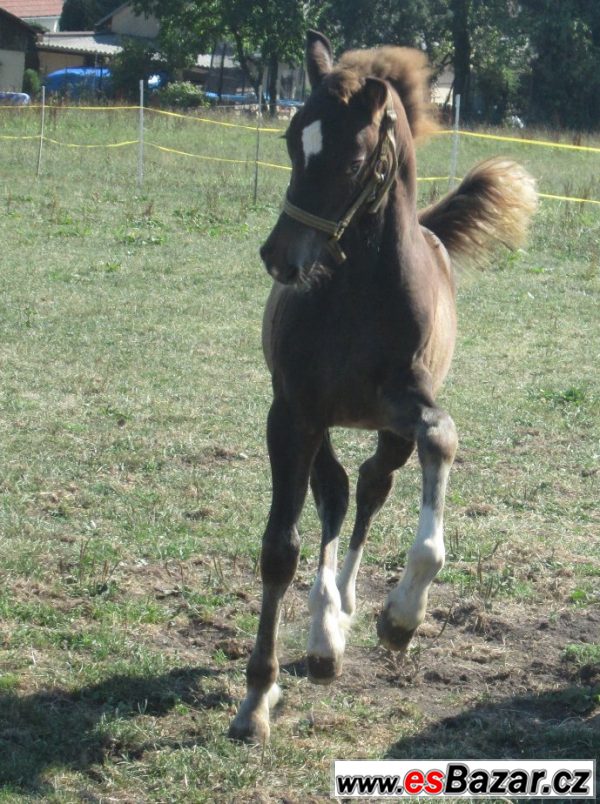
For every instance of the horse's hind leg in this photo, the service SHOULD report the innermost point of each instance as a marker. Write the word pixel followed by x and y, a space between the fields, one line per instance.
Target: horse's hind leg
pixel 405 607
pixel 326 639
pixel 291 451
pixel 375 481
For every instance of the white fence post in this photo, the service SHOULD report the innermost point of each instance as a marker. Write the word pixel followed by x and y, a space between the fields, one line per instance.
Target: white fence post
pixel 141 138
pixel 454 155
pixel 258 122
pixel 42 125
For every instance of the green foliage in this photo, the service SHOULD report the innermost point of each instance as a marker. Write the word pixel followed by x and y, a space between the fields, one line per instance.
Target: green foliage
pixel 413 23
pixel 565 80
pixel 538 58
pixel 31 83
pixel 137 60
pixel 181 94
pixel 586 654
pixel 82 15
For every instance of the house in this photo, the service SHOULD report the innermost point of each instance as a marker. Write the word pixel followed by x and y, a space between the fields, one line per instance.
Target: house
pixel 64 49
pixel 126 22
pixel 442 90
pixel 17 51
pixel 42 13
pixel 76 49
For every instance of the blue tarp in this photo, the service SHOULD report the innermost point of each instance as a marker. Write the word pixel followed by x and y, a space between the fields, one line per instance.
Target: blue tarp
pixel 75 80
pixel 249 98
pixel 14 99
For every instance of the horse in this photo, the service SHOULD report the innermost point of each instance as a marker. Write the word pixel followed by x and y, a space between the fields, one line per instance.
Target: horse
pixel 359 331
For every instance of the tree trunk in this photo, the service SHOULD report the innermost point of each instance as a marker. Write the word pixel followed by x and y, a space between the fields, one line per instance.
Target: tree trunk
pixel 461 41
pixel 272 84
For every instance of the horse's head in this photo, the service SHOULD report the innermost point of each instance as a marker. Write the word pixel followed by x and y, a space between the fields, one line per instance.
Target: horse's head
pixel 343 148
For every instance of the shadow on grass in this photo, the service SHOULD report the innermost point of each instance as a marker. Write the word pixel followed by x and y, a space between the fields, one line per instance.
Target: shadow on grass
pixel 68 730
pixel 562 723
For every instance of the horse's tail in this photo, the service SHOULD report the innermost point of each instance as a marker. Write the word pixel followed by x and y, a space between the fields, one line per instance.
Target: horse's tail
pixel 493 204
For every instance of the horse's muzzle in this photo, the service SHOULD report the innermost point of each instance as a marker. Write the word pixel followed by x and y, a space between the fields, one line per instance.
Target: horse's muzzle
pixel 280 269
pixel 291 250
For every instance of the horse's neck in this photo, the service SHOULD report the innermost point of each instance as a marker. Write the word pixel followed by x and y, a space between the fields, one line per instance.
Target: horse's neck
pixel 383 246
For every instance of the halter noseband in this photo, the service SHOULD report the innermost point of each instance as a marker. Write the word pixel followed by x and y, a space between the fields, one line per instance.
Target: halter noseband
pixel 384 166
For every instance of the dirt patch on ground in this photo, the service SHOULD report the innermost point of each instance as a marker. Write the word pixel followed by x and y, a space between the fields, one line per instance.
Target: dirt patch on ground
pixel 473 663
pixel 483 678
pixel 495 649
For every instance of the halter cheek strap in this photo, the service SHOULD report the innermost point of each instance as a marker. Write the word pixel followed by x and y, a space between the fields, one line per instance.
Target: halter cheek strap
pixel 384 166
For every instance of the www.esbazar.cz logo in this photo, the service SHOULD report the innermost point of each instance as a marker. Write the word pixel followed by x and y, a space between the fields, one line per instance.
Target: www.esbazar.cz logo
pixel 464 778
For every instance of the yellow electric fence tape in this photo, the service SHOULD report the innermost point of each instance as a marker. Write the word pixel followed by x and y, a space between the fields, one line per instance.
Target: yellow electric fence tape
pixel 49 107
pixel 93 145
pixel 523 141
pixel 215 122
pixel 568 198
pixel 11 137
pixel 200 156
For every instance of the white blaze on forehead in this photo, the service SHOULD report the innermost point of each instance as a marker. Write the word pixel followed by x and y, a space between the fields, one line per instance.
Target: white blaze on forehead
pixel 312 140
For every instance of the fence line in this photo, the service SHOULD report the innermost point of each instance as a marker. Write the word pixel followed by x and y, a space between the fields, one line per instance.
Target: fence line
pixel 524 141
pixel 141 108
pixel 91 145
pixel 569 198
pixel 193 119
pixel 151 109
pixel 215 122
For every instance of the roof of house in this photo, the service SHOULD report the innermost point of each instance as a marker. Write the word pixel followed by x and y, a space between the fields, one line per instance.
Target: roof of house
pixel 81 42
pixel 33 8
pixel 16 20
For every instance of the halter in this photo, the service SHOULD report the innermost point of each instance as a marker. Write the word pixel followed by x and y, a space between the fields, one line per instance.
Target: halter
pixel 384 166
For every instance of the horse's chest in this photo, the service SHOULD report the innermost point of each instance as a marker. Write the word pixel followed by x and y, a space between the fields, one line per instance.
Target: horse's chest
pixel 339 376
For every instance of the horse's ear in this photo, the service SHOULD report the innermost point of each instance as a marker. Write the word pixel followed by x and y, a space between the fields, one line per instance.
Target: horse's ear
pixel 319 57
pixel 374 95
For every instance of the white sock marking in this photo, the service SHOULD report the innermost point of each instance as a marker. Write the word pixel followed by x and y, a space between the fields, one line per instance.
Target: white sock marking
pixel 425 559
pixel 346 581
pixel 326 637
pixel 312 140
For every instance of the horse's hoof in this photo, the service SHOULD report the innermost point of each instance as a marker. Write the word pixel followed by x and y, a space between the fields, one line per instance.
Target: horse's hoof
pixel 252 730
pixel 393 637
pixel 323 669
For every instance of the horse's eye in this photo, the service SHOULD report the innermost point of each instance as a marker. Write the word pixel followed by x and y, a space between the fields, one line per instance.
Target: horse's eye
pixel 354 167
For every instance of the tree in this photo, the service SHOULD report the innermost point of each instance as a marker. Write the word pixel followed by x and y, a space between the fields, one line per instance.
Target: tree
pixel 540 58
pixel 565 65
pixel 82 15
pixel 264 33
pixel 461 61
pixel 136 60
pixel 422 24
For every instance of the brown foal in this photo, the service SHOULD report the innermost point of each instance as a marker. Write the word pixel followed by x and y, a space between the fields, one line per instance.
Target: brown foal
pixel 359 331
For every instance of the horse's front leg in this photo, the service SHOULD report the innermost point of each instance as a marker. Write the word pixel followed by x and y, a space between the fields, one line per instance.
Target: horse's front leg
pixel 326 640
pixel 405 606
pixel 291 451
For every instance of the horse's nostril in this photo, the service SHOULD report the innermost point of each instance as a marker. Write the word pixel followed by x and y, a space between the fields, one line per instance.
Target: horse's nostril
pixel 286 276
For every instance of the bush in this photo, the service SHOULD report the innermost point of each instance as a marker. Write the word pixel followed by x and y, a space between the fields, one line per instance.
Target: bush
pixel 181 94
pixel 32 83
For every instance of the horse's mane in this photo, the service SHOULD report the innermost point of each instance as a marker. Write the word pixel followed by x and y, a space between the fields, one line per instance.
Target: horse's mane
pixel 406 69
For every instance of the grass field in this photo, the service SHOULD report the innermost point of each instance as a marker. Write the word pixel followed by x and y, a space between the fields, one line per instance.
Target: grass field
pixel 135 485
